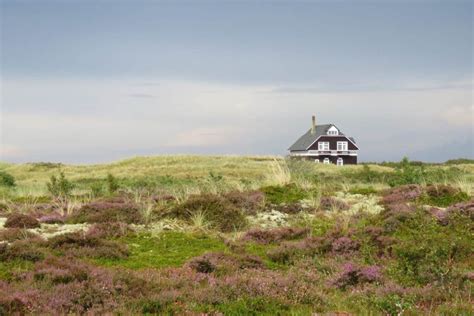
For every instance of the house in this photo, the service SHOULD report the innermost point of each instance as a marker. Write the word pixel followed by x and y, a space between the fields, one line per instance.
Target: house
pixel 325 144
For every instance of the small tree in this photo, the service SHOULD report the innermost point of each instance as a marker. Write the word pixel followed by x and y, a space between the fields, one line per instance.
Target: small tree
pixel 6 179
pixel 112 183
pixel 60 187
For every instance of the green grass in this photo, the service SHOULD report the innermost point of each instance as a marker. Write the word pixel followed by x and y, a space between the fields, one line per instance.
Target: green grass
pixel 170 249
pixel 8 268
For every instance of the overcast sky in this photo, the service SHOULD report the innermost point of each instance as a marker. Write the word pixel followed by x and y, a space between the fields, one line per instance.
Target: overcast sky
pixel 96 81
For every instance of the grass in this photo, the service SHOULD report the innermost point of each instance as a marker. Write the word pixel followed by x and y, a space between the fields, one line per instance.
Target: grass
pixel 169 249
pixel 420 256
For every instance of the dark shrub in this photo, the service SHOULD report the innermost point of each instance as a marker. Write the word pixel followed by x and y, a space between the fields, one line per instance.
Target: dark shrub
pixel 344 245
pixel 284 194
pixel 275 235
pixel 402 194
pixel 465 209
pixel 288 208
pixel 17 220
pixel 107 211
pixel 6 179
pixel 109 230
pixel 222 214
pixel 288 251
pixel 53 218
pixel 224 263
pixel 250 201
pixel 443 195
pixel 12 234
pixel 80 244
pixel 353 274
pixel 20 249
pixel 329 203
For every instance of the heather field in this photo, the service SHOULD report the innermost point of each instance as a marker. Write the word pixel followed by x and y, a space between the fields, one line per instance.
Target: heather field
pixel 235 235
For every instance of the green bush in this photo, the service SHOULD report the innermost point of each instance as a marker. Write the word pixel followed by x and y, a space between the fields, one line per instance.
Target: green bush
pixel 60 187
pixel 443 196
pixel 112 184
pixel 220 212
pixel 289 193
pixel 6 179
pixel 407 173
pixel 363 191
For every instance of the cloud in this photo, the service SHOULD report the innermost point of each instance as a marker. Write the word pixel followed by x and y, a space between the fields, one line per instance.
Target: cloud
pixel 459 115
pixel 358 87
pixel 141 95
pixel 97 120
pixel 9 152
pixel 206 137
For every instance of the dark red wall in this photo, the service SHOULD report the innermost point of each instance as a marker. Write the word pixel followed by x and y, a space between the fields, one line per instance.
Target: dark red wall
pixel 348 160
pixel 333 142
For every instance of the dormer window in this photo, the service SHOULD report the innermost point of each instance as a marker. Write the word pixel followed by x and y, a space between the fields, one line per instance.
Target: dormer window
pixel 333 131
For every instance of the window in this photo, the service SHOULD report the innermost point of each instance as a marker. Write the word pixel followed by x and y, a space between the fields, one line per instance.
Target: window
pixel 341 146
pixel 316 160
pixel 340 162
pixel 323 146
pixel 333 131
pixel 326 161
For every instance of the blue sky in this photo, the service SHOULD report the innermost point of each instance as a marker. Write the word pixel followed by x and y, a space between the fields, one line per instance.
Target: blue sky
pixel 92 81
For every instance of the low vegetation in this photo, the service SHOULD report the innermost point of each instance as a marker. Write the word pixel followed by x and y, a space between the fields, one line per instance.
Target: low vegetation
pixel 237 236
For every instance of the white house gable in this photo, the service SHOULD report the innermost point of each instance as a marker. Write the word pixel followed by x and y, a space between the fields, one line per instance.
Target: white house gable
pixel 333 131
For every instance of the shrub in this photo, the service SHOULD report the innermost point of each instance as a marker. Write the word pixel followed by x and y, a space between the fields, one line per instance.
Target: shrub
pixel 443 195
pixel 80 244
pixel 60 187
pixel 53 218
pixel 107 211
pixel 363 191
pixel 402 194
pixel 287 252
pixel 224 263
pixel 329 203
pixel 407 173
pixel 17 220
pixel 344 245
pixel 283 194
pixel 275 235
pixel 20 249
pixel 465 209
pixel 221 214
pixel 353 274
pixel 112 183
pixel 12 234
pixel 109 230
pixel 6 179
pixel 249 201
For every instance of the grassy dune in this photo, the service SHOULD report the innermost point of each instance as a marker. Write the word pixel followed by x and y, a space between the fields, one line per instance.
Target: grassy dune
pixel 234 235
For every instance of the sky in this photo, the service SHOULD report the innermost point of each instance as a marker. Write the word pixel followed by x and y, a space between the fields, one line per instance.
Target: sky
pixel 96 81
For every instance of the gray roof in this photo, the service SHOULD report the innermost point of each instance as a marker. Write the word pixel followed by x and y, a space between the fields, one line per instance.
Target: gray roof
pixel 307 139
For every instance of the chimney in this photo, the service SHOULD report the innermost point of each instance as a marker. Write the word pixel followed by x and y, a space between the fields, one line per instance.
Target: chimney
pixel 313 126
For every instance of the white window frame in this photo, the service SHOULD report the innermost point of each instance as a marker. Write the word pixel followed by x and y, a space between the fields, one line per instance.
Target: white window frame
pixel 326 161
pixel 340 161
pixel 342 146
pixel 323 146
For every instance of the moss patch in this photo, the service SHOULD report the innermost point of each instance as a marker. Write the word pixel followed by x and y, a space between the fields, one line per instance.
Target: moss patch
pixel 170 249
